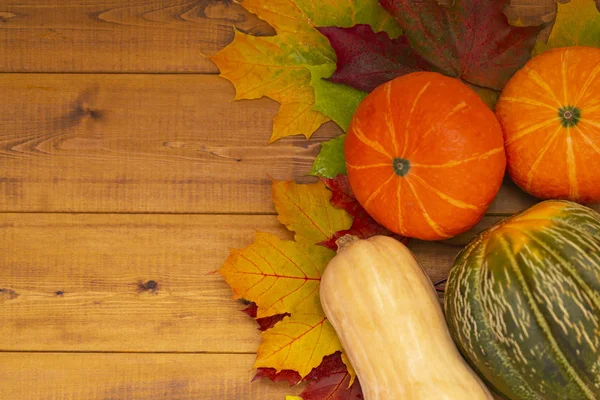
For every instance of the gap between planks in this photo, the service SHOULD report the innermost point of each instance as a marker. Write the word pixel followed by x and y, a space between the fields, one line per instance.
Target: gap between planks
pixel 127 352
pixel 141 72
pixel 215 214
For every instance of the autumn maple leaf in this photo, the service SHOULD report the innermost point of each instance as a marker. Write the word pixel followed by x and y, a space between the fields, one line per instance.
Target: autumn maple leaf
pixel 470 40
pixel 330 161
pixel 286 375
pixel 277 275
pixel 281 279
pixel 366 59
pixel 284 277
pixel 278 67
pixel 299 342
pixel 264 323
pixel 331 381
pixel 306 210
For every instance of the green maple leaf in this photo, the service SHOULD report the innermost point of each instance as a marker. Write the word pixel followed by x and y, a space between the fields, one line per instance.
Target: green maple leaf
pixel 330 162
pixel 577 24
pixel 338 102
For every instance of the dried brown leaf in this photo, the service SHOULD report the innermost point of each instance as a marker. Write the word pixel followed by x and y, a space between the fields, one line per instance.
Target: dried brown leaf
pixel 534 13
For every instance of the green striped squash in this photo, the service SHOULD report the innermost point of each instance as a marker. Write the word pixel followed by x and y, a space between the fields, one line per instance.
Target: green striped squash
pixel 523 303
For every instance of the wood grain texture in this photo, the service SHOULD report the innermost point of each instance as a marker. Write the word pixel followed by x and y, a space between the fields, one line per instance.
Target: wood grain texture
pixel 149 143
pixel 141 143
pixel 119 35
pixel 59 376
pixel 103 282
pixel 123 282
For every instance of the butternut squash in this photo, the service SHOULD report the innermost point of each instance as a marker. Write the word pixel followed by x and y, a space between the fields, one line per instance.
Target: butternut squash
pixel 386 313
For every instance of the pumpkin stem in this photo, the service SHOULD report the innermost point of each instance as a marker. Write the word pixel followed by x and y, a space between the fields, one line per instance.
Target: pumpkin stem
pixel 345 241
pixel 569 116
pixel 400 166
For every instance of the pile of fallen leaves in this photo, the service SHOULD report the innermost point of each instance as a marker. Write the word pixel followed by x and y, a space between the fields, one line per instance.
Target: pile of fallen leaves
pixel 323 61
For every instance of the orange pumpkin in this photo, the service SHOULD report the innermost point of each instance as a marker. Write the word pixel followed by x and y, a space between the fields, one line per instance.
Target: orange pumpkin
pixel 425 156
pixel 550 115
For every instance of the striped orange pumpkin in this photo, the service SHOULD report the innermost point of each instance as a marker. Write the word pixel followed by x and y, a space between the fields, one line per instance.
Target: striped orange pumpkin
pixel 550 115
pixel 425 156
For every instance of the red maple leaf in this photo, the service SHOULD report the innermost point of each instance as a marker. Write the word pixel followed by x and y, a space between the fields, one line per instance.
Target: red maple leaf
pixel 332 364
pixel 342 195
pixel 291 377
pixel 366 59
pixel 470 40
pixel 266 322
pixel 331 381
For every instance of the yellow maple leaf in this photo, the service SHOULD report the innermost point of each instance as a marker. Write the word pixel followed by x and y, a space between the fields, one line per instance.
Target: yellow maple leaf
pixel 284 277
pixel 298 342
pixel 276 67
pixel 306 210
pixel 278 275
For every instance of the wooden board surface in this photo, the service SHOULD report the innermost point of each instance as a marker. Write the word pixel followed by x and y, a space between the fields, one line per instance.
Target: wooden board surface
pixel 141 143
pixel 165 36
pixel 71 376
pixel 112 109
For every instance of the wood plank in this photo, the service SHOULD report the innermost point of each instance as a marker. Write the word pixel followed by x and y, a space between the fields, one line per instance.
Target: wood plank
pixel 119 35
pixel 79 282
pixel 511 199
pixel 60 376
pixel 148 143
pixel 67 376
pixel 141 143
